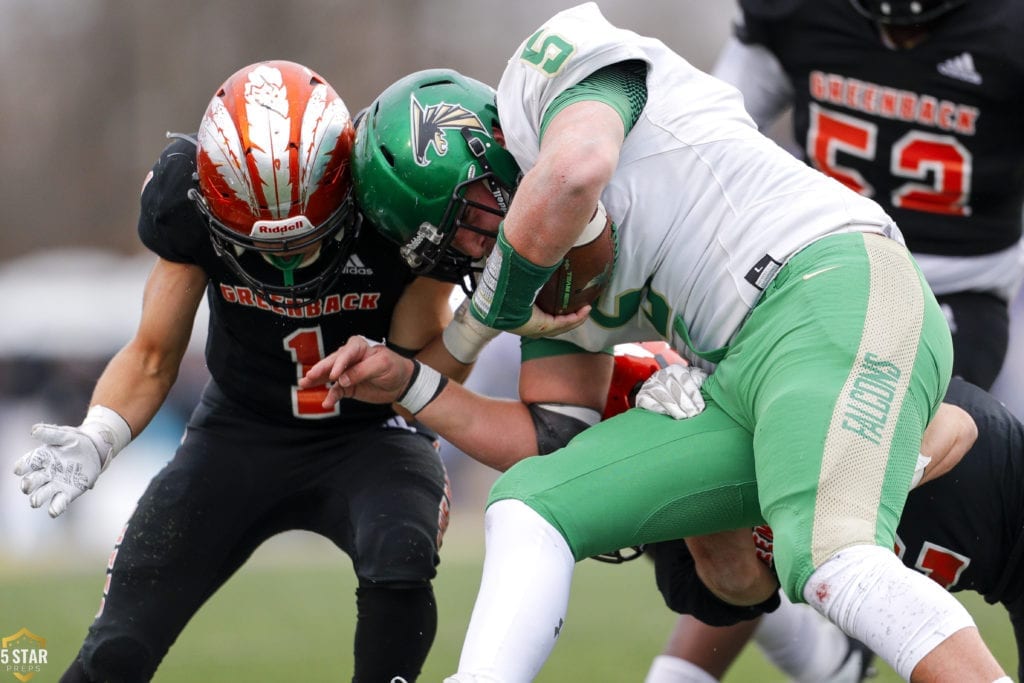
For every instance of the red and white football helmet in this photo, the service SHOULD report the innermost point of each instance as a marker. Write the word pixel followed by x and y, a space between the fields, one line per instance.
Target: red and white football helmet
pixel 273 168
pixel 634 363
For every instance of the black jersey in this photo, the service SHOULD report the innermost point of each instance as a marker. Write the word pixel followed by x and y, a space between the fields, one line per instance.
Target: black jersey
pixel 965 529
pixel 933 133
pixel 257 350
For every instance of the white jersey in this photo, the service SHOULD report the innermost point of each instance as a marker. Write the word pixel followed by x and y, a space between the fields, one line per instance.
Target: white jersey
pixel 708 209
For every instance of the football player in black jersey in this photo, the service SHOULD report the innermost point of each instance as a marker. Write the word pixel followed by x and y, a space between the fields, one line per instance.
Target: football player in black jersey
pixel 917 104
pixel 964 529
pixel 256 213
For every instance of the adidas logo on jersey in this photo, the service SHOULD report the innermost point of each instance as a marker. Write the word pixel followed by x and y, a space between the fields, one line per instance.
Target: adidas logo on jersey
pixel 355 266
pixel 960 68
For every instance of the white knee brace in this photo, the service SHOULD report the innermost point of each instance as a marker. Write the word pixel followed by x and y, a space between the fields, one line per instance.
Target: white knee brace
pixel 900 614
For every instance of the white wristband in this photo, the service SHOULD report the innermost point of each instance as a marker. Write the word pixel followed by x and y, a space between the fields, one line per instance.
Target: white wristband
pixel 108 430
pixel 465 337
pixel 424 387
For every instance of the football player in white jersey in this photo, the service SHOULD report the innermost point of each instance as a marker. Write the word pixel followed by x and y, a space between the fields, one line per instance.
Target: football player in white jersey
pixel 829 350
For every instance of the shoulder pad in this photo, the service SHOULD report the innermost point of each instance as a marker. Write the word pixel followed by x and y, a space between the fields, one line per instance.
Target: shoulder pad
pixel 169 224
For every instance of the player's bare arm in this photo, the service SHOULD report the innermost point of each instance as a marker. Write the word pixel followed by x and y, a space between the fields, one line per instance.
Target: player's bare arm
pixel 128 394
pixel 138 378
pixel 421 313
pixel 949 435
pixel 500 432
pixel 496 432
pixel 556 198
pixel 420 318
pixel 484 427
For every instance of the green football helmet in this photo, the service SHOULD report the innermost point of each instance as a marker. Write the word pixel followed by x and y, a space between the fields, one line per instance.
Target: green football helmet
pixel 418 147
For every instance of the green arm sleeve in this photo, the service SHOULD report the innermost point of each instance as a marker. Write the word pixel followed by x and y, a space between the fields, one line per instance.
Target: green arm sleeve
pixel 621 86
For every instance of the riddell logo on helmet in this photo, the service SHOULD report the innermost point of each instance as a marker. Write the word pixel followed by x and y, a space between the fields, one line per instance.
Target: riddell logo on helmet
pixel 299 225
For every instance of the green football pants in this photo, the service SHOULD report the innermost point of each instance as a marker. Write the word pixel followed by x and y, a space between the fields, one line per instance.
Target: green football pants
pixel 813 423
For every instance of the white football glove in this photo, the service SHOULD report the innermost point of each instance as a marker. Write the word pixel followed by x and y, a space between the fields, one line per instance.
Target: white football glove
pixel 674 391
pixel 71 458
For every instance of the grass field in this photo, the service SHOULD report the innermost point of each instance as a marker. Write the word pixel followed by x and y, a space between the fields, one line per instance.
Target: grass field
pixel 289 616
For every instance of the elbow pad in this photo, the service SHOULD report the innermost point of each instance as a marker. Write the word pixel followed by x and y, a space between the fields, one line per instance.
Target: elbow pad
pixel 556 424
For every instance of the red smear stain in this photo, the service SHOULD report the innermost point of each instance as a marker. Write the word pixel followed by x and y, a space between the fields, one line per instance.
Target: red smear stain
pixel 822 592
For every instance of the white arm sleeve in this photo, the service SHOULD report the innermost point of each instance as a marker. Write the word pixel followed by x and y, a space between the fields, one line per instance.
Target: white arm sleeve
pixel 755 71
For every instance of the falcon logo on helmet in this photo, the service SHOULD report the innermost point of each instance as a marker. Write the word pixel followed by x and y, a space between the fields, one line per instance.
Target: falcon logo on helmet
pixel 430 123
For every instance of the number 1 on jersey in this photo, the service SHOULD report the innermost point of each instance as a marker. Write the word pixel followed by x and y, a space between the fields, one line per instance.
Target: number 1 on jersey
pixel 306 346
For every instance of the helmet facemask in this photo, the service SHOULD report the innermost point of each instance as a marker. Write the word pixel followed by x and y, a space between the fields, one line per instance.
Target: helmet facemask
pixel 429 251
pixel 333 241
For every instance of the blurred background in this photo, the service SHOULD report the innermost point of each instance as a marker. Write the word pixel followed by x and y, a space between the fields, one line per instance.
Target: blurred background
pixel 88 89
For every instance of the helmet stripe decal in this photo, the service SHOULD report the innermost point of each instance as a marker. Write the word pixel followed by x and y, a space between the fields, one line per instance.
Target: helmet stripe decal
pixel 266 108
pixel 219 138
pixel 322 123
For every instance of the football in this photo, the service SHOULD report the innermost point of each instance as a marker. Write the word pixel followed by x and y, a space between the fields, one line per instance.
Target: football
pixel 584 272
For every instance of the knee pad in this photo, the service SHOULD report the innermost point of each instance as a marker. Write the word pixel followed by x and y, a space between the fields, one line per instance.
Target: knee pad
pixel 898 613
pixel 121 659
pixel 397 553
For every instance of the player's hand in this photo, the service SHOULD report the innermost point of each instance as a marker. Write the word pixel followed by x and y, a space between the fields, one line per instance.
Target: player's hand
pixel 674 391
pixel 543 324
pixel 63 468
pixel 360 369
